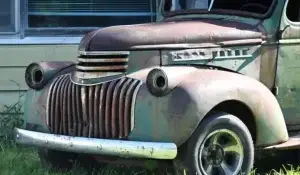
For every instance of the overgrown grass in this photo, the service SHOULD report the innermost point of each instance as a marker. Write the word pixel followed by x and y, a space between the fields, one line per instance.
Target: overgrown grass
pixel 20 160
pixel 16 160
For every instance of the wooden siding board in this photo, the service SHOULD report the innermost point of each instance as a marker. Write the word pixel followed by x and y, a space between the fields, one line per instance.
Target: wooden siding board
pixel 13 61
pixel 23 55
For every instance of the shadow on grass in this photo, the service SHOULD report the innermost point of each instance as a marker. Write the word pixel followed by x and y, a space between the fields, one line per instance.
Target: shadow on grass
pixel 20 160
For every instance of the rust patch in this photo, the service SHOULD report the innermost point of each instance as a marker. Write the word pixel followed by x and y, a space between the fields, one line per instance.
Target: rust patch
pixel 115 108
pixel 99 111
pixel 108 109
pixel 170 32
pixel 122 109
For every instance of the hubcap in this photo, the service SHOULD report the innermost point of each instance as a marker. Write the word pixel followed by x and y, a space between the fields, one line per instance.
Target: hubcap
pixel 215 155
pixel 221 153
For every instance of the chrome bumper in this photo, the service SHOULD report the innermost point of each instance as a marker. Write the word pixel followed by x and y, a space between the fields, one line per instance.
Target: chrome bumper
pixel 128 149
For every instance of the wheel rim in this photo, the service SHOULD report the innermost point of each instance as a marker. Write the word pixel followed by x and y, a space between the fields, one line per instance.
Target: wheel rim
pixel 221 153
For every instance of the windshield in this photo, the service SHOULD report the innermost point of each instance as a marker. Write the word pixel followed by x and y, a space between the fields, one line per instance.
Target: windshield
pixel 259 7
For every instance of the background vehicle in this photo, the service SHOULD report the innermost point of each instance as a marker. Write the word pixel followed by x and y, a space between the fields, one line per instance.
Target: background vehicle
pixel 205 86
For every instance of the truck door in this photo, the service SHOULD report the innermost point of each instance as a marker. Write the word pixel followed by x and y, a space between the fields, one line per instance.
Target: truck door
pixel 288 69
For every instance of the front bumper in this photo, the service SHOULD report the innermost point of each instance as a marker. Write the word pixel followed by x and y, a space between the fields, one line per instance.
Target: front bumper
pixel 120 148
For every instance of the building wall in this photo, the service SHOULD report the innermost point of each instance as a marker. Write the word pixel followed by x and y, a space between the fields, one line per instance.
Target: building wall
pixel 46 30
pixel 13 62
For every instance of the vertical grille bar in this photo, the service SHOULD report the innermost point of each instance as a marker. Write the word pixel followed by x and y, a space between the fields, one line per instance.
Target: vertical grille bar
pixel 69 112
pixel 64 106
pixel 79 110
pixel 127 112
pixel 91 115
pixel 102 110
pixel 96 112
pixel 99 111
pixel 74 110
pixel 52 96
pixel 108 109
pixel 84 110
pixel 115 108
pixel 122 109
pixel 58 106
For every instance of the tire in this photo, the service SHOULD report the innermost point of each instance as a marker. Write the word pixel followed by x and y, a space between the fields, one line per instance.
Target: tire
pixel 57 160
pixel 209 150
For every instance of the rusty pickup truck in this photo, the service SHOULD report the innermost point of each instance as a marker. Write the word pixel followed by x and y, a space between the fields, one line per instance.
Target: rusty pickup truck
pixel 206 85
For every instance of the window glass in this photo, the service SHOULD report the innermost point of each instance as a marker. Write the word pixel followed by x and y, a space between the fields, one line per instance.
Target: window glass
pixel 293 10
pixel 7 16
pixel 252 6
pixel 88 13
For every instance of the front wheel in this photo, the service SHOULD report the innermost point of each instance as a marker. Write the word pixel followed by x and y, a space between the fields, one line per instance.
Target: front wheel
pixel 221 145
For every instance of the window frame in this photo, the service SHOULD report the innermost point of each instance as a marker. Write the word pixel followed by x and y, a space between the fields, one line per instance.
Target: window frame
pixel 219 12
pixel 289 30
pixel 16 20
pixel 291 23
pixel 69 35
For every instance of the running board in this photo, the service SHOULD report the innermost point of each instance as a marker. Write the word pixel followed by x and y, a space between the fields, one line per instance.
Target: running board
pixel 292 143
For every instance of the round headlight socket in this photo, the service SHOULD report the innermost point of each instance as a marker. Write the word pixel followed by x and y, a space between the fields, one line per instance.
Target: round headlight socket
pixel 37 76
pixel 157 82
pixel 34 76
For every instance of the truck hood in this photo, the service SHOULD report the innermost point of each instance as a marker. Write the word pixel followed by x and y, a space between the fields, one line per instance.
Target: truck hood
pixel 123 38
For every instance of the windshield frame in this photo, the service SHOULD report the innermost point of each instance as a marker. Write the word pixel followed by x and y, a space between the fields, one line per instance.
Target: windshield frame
pixel 219 12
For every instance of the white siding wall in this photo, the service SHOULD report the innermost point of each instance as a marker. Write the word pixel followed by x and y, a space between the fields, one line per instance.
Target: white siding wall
pixel 13 62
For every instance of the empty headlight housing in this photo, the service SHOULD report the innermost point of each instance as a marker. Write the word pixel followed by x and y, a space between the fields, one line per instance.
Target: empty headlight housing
pixel 157 82
pixel 34 76
pixel 38 74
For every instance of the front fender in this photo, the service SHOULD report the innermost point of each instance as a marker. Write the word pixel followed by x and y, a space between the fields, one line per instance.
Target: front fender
pixel 175 117
pixel 36 100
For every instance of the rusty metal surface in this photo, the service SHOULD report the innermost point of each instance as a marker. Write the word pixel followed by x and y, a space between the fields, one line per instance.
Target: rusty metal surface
pixel 98 67
pixel 292 143
pixel 200 45
pixel 144 59
pixel 121 109
pixel 175 116
pixel 36 101
pixel 94 78
pixel 102 53
pixel 115 115
pixel 101 68
pixel 47 71
pixel 55 65
pixel 98 107
pixel 288 70
pixel 244 59
pixel 95 62
pixel 268 65
pixel 204 31
pixel 151 150
pixel 102 60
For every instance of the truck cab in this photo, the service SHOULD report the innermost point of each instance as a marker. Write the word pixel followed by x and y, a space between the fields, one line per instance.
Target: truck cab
pixel 206 85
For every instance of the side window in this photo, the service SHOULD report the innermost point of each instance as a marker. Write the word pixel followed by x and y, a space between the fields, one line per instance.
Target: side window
pixel 7 15
pixel 293 10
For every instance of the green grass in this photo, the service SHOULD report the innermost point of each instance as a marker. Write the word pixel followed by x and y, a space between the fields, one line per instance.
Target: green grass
pixel 15 160
pixel 18 160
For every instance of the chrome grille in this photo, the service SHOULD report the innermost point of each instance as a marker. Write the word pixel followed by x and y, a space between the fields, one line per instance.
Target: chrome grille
pixel 102 62
pixel 99 111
